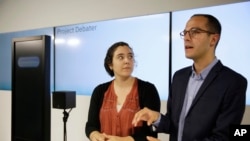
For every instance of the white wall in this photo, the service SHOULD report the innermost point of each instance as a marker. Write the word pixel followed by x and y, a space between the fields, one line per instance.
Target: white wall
pixel 19 15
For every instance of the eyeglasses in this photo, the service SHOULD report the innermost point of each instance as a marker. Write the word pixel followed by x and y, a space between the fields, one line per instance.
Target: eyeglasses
pixel 193 32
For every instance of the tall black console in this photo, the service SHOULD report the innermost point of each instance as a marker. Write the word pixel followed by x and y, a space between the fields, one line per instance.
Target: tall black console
pixel 31 108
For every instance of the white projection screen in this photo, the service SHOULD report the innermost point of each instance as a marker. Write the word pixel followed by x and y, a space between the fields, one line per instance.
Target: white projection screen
pixel 80 50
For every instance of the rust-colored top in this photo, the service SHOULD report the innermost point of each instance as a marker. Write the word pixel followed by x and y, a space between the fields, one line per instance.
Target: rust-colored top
pixel 119 123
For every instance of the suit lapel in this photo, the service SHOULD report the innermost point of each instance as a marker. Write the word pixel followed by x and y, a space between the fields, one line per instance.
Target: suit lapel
pixel 183 88
pixel 208 80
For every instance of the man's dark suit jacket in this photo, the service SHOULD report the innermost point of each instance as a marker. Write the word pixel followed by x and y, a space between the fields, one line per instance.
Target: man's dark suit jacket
pixel 219 103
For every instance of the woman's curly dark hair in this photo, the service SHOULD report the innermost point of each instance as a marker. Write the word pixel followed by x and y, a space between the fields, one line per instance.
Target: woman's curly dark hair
pixel 110 55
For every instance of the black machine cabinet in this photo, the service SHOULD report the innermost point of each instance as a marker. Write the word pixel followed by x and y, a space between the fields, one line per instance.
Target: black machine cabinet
pixel 31 89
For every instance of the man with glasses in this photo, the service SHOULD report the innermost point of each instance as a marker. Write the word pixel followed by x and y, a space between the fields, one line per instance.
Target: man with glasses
pixel 206 98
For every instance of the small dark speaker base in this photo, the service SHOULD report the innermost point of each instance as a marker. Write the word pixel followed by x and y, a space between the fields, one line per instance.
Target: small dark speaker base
pixel 64 99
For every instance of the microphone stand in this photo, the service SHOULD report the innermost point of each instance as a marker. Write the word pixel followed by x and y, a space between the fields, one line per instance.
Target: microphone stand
pixel 65 118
